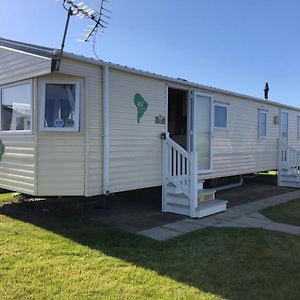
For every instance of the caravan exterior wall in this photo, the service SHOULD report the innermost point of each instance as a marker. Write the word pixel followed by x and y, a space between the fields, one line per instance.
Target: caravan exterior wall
pixel 135 145
pixel 135 148
pixel 58 163
pixel 238 149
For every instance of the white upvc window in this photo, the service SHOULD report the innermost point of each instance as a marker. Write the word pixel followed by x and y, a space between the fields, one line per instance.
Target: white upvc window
pixel 60 105
pixel 262 124
pixel 220 116
pixel 298 128
pixel 16 107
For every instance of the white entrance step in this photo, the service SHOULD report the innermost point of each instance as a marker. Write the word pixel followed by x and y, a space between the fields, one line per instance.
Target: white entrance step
pixel 207 208
pixel 206 195
pixel 289 184
pixel 180 205
pixel 290 178
pixel 178 199
pixel 173 189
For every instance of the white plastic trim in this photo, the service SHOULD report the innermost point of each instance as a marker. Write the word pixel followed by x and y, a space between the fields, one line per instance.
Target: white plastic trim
pixel 106 130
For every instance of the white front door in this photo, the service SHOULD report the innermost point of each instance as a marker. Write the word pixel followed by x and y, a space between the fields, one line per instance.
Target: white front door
pixel 201 130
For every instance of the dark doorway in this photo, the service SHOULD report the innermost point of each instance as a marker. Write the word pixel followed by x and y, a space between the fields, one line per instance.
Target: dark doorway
pixel 177 116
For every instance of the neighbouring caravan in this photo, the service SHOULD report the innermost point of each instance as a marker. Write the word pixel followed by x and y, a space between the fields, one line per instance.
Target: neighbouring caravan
pixel 75 126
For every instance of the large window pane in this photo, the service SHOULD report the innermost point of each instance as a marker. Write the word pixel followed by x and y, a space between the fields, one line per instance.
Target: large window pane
pixel 16 107
pixel 60 106
pixel 220 116
pixel 284 127
pixel 262 124
pixel 202 130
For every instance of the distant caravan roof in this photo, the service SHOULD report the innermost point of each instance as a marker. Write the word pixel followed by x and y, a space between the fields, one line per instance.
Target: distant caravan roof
pixel 52 53
pixel 30 48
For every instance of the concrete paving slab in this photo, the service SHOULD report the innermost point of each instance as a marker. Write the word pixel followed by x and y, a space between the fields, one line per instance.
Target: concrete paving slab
pixel 207 221
pixel 251 222
pixel 227 215
pixel 159 233
pixel 283 198
pixel 283 228
pixel 258 205
pixel 230 224
pixel 183 226
pixel 241 209
pixel 258 215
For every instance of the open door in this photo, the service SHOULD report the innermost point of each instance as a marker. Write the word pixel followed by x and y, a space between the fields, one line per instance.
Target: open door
pixel 201 130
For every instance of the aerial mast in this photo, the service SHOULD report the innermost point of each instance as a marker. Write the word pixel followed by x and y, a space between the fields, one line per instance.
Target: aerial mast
pixel 83 11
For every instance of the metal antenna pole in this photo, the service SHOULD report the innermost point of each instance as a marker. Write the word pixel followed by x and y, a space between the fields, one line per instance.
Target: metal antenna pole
pixel 70 13
pixel 82 11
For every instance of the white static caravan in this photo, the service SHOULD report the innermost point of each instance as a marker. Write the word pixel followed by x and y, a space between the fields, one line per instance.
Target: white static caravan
pixel 92 128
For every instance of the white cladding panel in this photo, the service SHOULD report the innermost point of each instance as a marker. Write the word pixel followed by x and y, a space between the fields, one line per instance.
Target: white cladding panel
pixel 92 108
pixel 71 163
pixel 60 164
pixel 239 150
pixel 15 65
pixel 17 167
pixel 135 149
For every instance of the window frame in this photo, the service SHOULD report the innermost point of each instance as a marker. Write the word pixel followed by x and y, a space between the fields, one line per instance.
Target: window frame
pixel 225 105
pixel 78 97
pixel 9 85
pixel 262 112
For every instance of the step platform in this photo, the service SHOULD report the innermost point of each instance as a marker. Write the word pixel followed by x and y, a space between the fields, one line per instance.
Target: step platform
pixel 205 208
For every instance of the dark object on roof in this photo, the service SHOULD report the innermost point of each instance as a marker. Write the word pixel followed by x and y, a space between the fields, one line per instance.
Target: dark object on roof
pixel 266 91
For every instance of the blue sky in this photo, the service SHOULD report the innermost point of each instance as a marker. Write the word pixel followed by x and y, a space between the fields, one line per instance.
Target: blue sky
pixel 235 45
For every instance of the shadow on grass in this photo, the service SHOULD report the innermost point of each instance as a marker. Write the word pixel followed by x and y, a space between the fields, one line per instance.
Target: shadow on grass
pixel 232 263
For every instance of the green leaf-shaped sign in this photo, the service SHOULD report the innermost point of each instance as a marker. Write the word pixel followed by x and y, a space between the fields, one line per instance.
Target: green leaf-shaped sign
pixel 141 106
pixel 2 148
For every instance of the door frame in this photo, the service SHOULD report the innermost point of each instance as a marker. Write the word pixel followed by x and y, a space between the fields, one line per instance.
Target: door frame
pixel 192 136
pixel 188 93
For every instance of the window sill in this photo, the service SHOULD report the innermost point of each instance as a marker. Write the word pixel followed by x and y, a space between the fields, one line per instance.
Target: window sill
pixel 16 132
pixel 221 129
pixel 56 130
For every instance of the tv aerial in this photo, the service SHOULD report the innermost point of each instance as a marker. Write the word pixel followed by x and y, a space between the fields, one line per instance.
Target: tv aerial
pixel 99 20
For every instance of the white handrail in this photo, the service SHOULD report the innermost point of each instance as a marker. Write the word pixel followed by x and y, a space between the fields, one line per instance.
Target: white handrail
pixel 177 146
pixel 181 169
pixel 179 166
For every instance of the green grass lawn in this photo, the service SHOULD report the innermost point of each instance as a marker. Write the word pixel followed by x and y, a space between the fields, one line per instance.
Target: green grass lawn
pixel 288 213
pixel 43 256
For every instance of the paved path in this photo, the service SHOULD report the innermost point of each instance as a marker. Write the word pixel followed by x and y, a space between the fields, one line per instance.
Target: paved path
pixel 245 215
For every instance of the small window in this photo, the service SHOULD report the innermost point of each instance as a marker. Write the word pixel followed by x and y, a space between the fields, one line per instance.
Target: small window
pixel 298 126
pixel 262 124
pixel 60 106
pixel 221 116
pixel 16 107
